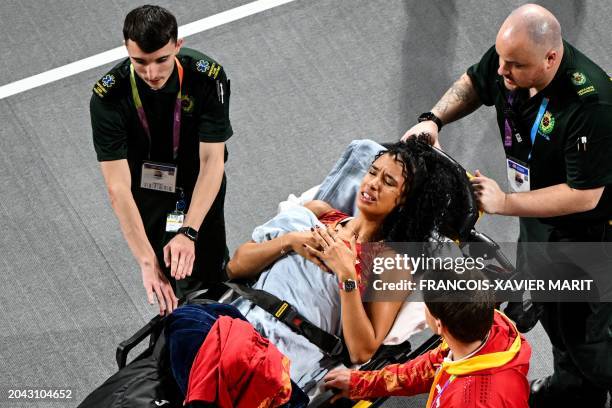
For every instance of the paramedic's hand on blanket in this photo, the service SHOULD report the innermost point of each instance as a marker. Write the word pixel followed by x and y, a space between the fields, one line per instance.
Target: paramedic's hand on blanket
pixel 427 126
pixel 155 283
pixel 179 255
pixel 491 199
pixel 335 253
pixel 338 380
pixel 300 241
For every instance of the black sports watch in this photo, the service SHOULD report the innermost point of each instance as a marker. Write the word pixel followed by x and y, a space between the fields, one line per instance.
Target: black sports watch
pixel 189 232
pixel 348 285
pixel 430 116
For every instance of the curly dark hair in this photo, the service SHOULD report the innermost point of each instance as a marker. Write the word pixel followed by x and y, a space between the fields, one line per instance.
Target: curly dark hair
pixel 434 197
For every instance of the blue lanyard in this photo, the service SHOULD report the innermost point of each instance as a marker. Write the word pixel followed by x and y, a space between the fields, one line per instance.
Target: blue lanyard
pixel 536 124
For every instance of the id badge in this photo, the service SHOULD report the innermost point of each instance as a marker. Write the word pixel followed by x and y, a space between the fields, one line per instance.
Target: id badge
pixel 174 221
pixel 518 175
pixel 158 176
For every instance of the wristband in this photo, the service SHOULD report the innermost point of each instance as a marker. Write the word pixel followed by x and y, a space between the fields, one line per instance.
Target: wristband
pixel 189 232
pixel 430 116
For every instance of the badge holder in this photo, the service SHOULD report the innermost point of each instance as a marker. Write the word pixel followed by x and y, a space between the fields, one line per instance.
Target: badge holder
pixel 518 175
pixel 159 176
pixel 175 219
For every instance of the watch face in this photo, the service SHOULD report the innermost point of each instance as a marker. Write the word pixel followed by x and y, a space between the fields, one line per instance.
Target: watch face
pixel 189 233
pixel 350 285
pixel 426 116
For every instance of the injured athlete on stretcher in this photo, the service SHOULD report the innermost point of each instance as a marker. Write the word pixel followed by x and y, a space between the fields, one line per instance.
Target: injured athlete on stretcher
pixel 310 255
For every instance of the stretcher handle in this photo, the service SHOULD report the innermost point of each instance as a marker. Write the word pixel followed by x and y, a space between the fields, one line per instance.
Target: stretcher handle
pixel 127 345
pixel 500 257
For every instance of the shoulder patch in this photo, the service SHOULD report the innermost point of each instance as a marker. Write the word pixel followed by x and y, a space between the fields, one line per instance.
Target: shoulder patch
pixel 581 83
pixel 208 68
pixel 111 81
pixel 201 64
pixel 102 87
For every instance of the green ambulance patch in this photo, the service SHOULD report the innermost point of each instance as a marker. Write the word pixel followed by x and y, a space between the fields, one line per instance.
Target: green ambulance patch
pixel 187 103
pixel 547 124
pixel 578 78
pixel 582 84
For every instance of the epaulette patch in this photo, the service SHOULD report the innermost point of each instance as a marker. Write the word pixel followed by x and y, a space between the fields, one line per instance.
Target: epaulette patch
pixel 206 67
pixel 582 84
pixel 102 87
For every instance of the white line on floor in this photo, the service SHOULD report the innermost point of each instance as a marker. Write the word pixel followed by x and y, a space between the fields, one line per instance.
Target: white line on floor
pixel 106 57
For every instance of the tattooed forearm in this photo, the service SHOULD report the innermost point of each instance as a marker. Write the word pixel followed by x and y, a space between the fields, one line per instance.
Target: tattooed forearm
pixel 460 100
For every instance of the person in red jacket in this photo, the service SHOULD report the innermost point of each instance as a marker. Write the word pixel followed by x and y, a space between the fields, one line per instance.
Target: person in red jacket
pixel 482 361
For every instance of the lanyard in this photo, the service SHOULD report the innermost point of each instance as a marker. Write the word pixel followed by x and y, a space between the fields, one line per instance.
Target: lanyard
pixel 534 128
pixel 176 126
pixel 507 127
pixel 436 402
pixel 509 123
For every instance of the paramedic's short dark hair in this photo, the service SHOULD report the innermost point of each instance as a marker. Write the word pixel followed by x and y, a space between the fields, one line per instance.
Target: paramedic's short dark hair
pixel 467 314
pixel 151 27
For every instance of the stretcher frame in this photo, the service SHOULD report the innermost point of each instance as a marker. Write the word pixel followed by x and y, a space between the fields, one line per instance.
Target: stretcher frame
pixel 391 354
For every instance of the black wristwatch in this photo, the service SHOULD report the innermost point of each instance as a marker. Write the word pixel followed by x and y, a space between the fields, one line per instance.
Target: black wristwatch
pixel 348 285
pixel 189 232
pixel 430 116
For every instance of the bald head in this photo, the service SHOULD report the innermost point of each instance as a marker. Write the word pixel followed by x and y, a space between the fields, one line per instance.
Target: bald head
pixel 530 48
pixel 534 23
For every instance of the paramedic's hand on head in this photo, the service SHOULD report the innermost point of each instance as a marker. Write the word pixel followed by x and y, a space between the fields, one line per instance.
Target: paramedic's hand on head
pixel 339 380
pixel 300 241
pixel 179 255
pixel 157 286
pixel 491 199
pixel 335 253
pixel 427 126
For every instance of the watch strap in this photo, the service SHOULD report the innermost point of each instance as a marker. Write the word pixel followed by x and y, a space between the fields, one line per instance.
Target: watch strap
pixel 189 232
pixel 431 116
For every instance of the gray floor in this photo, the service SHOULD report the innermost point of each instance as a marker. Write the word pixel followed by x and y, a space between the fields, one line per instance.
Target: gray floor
pixel 307 78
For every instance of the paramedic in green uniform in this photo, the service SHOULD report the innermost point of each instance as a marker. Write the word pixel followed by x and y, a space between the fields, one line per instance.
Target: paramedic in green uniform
pixel 554 111
pixel 160 120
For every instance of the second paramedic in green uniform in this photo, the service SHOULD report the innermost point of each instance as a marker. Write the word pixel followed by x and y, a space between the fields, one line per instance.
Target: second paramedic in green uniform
pixel 554 111
pixel 160 120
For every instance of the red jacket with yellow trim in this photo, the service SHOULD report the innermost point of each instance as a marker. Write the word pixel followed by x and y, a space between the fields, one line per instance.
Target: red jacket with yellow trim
pixel 496 376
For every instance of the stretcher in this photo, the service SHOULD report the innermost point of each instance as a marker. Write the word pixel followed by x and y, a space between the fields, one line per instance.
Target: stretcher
pixel 397 347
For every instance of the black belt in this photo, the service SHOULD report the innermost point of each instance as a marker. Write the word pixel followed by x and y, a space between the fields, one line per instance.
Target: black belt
pixel 329 344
